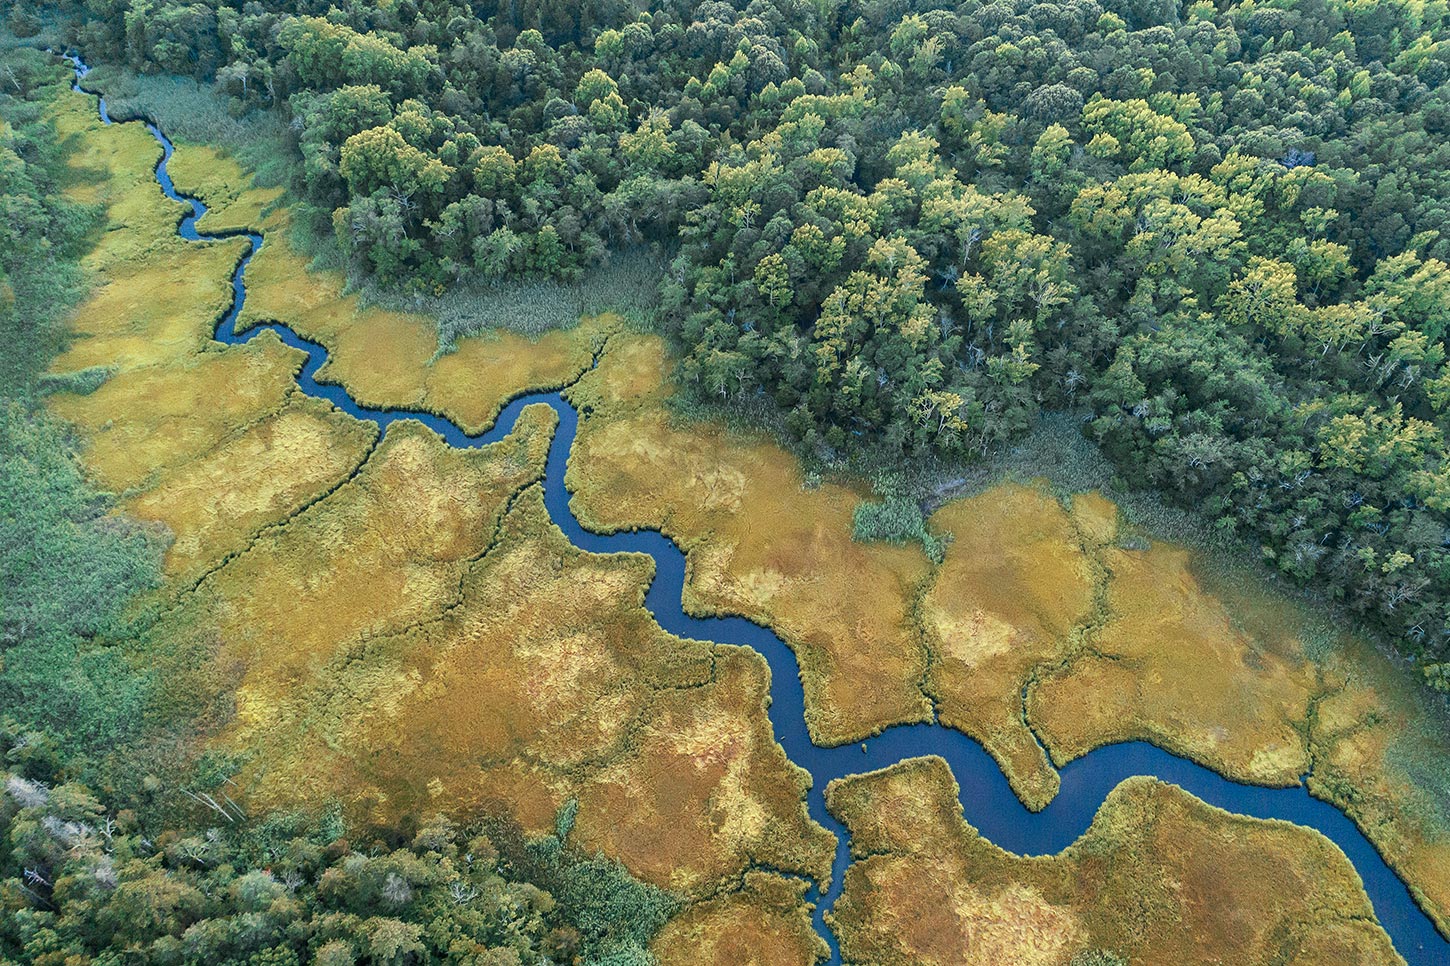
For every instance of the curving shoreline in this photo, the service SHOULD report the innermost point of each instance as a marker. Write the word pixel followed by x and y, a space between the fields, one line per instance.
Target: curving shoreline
pixel 986 798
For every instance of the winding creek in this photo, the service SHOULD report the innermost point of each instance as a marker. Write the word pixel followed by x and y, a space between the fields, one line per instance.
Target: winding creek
pixel 987 799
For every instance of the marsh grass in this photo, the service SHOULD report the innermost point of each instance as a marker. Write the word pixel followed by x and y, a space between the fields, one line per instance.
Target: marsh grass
pixel 628 286
pixel 1115 894
pixel 1055 451
pixel 192 112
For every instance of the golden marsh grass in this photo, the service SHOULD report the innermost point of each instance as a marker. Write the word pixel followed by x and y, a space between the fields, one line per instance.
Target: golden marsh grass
pixel 1159 877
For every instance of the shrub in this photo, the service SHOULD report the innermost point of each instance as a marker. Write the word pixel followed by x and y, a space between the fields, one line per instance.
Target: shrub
pixel 896 519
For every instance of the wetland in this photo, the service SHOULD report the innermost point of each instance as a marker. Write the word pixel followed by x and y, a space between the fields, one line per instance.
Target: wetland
pixel 654 727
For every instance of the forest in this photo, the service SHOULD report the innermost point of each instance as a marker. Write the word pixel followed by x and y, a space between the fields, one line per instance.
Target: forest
pixel 1215 232
pixel 81 882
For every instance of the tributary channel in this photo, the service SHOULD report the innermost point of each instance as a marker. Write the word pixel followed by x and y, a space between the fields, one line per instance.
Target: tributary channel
pixel 987 799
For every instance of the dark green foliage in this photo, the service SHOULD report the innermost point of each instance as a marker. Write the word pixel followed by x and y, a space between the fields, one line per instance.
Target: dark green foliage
pixel 82 382
pixel 41 233
pixel 67 566
pixel 1219 231
pixel 66 569
pixel 78 879
pixel 897 519
pixel 613 915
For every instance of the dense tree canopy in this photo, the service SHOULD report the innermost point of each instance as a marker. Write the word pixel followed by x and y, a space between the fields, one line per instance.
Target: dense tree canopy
pixel 81 882
pixel 1220 230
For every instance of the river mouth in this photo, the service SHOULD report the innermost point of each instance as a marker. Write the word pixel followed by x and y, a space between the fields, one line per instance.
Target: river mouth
pixel 987 800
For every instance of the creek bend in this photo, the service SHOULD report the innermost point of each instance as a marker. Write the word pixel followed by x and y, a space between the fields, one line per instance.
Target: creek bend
pixel 987 800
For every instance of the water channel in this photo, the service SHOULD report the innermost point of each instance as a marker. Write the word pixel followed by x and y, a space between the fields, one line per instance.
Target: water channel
pixel 988 801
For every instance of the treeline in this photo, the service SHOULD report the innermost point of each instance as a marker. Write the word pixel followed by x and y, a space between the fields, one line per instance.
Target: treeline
pixel 1220 230
pixel 81 882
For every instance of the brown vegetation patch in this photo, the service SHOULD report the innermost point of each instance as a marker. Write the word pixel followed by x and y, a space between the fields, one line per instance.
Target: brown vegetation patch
pixel 759 542
pixel 142 422
pixel 1160 877
pixel 544 680
pixel 213 503
pixel 1223 680
pixel 765 923
pixel 1015 583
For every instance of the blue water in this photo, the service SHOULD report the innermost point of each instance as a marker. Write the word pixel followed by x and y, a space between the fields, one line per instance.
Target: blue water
pixel 987 799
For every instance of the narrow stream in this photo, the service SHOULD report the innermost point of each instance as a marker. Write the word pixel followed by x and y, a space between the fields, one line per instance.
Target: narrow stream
pixel 987 799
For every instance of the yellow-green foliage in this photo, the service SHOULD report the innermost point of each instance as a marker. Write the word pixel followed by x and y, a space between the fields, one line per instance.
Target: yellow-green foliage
pixel 383 551
pixel 760 543
pixel 216 501
pixel 233 203
pixel 161 295
pixel 1160 877
pixel 215 443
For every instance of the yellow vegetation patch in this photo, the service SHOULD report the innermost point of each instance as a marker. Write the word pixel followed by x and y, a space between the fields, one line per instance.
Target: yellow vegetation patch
pixel 386 358
pixel 385 550
pixel 141 422
pixel 158 297
pixel 215 442
pixel 233 203
pixel 156 304
pixel 1014 584
pixel 1224 681
pixel 1096 518
pixel 1160 877
pixel 532 676
pixel 763 924
pixel 705 777
pixel 759 543
pixel 212 504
